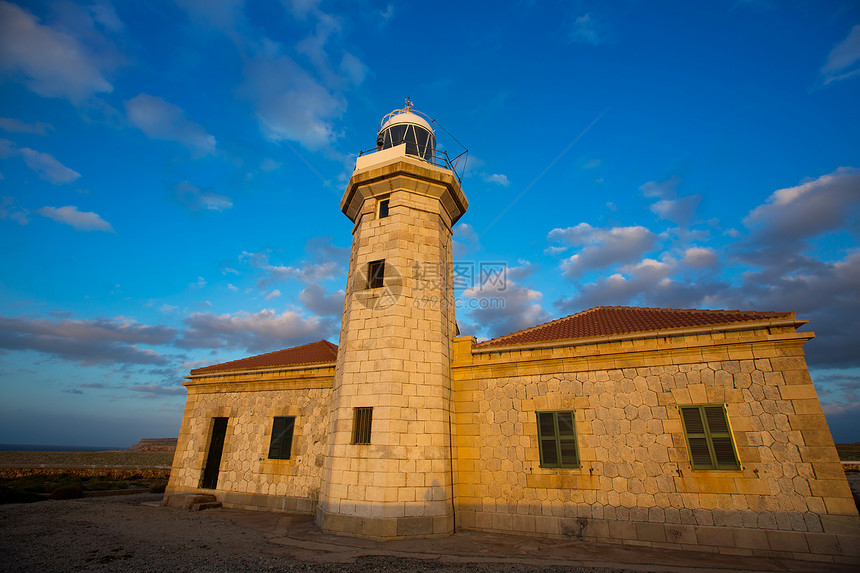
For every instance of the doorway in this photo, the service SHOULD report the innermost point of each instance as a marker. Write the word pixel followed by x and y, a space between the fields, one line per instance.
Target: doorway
pixel 213 460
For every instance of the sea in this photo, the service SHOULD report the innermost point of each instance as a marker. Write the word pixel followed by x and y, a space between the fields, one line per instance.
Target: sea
pixel 44 448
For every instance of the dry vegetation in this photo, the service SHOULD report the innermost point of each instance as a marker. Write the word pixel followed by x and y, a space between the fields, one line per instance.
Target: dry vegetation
pixel 79 459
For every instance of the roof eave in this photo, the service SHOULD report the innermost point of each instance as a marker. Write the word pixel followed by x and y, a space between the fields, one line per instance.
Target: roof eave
pixel 686 331
pixel 264 370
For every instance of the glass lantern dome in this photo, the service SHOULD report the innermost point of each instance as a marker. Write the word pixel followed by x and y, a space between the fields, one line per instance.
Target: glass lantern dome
pixel 409 127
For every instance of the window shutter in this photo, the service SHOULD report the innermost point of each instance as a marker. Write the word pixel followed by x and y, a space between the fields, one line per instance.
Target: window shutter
pixel 709 437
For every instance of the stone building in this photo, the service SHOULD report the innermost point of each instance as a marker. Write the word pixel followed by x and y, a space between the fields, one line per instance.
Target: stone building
pixel 665 427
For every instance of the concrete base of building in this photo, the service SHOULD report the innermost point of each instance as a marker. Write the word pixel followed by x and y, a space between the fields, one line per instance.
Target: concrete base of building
pixel 837 542
pixel 382 528
pixel 254 501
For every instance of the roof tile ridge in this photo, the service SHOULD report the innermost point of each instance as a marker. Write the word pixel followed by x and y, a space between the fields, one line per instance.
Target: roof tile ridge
pixel 266 354
pixel 503 337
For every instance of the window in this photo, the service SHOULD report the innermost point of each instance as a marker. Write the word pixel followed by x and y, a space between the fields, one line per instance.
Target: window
pixel 557 438
pixel 361 422
pixel 282 437
pixel 709 438
pixel 375 273
pixel 383 208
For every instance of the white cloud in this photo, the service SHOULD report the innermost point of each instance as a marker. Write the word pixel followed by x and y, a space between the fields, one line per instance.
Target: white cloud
pixel 159 119
pixel 699 257
pixel 290 103
pixel 17 126
pixel 79 220
pixel 328 265
pixel 196 198
pixel 602 248
pixel 843 60
pixel 465 240
pixel 679 211
pixel 669 206
pixel 255 332
pixel 98 341
pixel 274 294
pixel 47 167
pixel 498 305
pixel 498 178
pixel 807 210
pixel 665 189
pixel 319 301
pixel 44 164
pixel 49 60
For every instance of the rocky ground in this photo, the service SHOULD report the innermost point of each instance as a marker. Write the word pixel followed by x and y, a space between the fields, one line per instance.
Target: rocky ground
pixel 132 533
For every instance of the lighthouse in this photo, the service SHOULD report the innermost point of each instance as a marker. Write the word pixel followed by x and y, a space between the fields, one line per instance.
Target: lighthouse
pixel 388 469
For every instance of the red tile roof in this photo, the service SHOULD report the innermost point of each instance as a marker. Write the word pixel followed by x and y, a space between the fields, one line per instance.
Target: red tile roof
pixel 609 320
pixel 313 353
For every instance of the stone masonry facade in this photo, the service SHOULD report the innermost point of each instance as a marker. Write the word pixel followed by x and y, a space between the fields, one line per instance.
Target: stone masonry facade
pixel 635 483
pixel 247 479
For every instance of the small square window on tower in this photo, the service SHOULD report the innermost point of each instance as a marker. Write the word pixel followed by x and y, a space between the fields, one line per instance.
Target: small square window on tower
pixel 383 208
pixel 375 273
pixel 362 420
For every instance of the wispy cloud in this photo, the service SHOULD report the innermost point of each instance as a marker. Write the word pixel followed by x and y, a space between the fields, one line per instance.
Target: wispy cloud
pixel 43 164
pixel 159 119
pixel 49 60
pixel 196 198
pixel 17 126
pixel 844 60
pixel 9 210
pixel 497 178
pixel 290 103
pixel 588 29
pixel 79 220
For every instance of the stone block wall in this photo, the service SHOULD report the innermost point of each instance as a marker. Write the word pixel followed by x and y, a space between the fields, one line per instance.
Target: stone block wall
pixel 394 356
pixel 247 478
pixel 635 483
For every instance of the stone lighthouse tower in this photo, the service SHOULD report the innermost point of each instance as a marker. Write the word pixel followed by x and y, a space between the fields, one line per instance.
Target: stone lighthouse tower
pixel 388 466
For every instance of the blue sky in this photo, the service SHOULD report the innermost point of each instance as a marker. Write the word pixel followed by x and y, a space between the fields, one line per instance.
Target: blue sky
pixel 170 175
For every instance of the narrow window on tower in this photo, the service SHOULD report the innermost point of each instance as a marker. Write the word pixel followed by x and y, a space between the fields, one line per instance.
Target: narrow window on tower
pixel 383 208
pixel 375 273
pixel 361 422
pixel 281 445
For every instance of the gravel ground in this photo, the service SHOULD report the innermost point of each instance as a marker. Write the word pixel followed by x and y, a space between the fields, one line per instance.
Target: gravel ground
pixel 119 533
pixel 132 533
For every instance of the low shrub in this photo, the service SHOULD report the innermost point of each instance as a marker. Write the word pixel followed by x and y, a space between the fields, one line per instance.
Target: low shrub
pixel 158 487
pixel 67 492
pixel 8 495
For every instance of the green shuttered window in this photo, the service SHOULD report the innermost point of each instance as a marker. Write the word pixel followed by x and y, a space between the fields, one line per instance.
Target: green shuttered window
pixel 282 437
pixel 709 438
pixel 557 438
